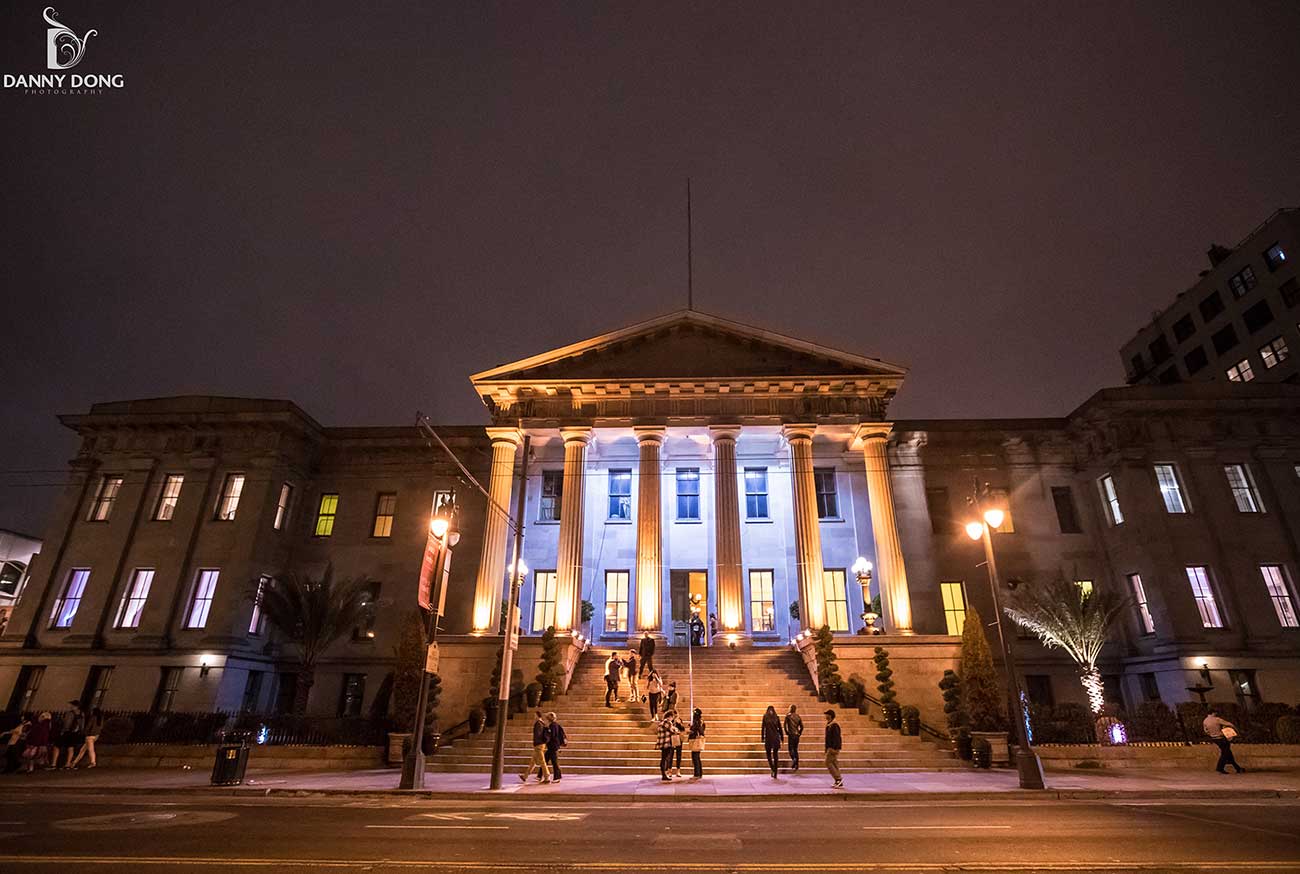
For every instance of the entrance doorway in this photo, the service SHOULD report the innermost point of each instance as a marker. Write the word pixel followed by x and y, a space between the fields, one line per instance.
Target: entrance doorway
pixel 687 589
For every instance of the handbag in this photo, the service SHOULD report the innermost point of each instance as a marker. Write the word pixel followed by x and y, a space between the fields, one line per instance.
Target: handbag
pixel 1229 733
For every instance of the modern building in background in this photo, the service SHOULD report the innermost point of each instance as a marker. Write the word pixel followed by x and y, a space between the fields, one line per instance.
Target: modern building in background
pixel 1239 323
pixel 16 553
pixel 687 459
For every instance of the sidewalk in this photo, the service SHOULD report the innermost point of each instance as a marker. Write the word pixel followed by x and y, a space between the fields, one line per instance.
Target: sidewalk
pixel 1165 783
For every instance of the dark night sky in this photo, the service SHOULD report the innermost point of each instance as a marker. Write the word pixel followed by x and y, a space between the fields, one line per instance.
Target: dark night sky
pixel 357 208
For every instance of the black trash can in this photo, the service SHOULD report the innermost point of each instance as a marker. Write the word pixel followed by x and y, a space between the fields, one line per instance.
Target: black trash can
pixel 231 763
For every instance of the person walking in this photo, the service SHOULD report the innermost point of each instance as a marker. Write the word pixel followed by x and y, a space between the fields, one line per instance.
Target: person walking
pixel 38 742
pixel 664 741
pixel 793 731
pixel 73 735
pixel 555 739
pixel 1221 733
pixel 612 669
pixel 713 627
pixel 834 743
pixel 695 738
pixel 647 651
pixel 94 725
pixel 654 691
pixel 541 730
pixel 629 665
pixel 697 630
pixel 771 732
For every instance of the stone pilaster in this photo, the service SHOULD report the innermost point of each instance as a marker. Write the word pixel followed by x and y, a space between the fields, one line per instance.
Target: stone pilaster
pixel 890 572
pixel 726 519
pixel 807 534
pixel 649 531
pixel 492 561
pixel 568 582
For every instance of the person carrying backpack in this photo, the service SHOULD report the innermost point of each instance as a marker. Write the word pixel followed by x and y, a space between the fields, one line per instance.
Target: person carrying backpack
pixel 555 739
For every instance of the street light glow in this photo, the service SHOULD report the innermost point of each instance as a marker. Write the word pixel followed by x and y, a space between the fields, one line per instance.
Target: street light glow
pixel 861 566
pixel 994 517
pixel 974 530
pixel 438 526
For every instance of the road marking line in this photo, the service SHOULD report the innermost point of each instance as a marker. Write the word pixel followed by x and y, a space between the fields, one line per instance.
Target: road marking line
pixel 442 826
pixel 944 827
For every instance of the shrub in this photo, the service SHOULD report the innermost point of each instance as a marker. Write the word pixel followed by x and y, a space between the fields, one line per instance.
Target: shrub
pixel 980 693
pixel 884 674
pixel 828 674
pixel 1062 724
pixel 410 654
pixel 794 610
pixel 1153 721
pixel 1287 729
pixel 116 730
pixel 951 687
pixel 1261 722
pixel 550 668
pixel 588 610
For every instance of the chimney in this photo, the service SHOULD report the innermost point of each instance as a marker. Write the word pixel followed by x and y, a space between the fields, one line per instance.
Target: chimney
pixel 1218 254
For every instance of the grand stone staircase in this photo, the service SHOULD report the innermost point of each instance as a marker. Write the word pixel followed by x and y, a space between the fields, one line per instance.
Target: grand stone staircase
pixel 733 688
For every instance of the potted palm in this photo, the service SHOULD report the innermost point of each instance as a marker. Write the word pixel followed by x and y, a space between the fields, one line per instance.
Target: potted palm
pixel 980 693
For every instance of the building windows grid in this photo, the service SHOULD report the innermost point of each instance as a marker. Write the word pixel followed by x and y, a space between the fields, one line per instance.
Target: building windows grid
pixel 385 509
pixel 1243 489
pixel 828 499
pixel 282 505
pixel 552 492
pixel 620 495
pixel 837 599
pixel 326 513
pixel 1198 576
pixel 954 605
pixel 205 588
pixel 1274 352
pixel 616 585
pixel 1241 371
pixel 105 498
pixel 544 583
pixel 1146 622
pixel 688 493
pixel 168 497
pixel 134 598
pixel 65 606
pixel 762 607
pixel 1279 592
pixel 228 503
pixel 756 493
pixel 1171 491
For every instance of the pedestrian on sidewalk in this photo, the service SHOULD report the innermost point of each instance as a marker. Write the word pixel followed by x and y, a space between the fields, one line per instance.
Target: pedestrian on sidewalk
pixel 630 665
pixel 94 725
pixel 834 742
pixel 655 690
pixel 555 738
pixel 1221 733
pixel 670 700
pixel 793 731
pixel 647 651
pixel 771 732
pixel 38 742
pixel 612 669
pixel 695 738
pixel 541 731
pixel 73 736
pixel 664 736
pixel 15 743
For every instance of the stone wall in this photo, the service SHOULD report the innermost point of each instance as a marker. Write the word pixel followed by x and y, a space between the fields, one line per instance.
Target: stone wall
pixel 1166 755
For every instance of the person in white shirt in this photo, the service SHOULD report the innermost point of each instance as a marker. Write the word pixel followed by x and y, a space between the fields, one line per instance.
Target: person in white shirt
pixel 1221 733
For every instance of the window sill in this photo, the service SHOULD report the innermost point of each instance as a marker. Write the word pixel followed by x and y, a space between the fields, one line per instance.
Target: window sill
pixel 618 521
pixel 546 521
pixel 688 521
pixel 830 518
pixel 767 521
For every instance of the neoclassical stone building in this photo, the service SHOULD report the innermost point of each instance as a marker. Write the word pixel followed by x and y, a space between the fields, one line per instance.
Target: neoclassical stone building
pixel 687 459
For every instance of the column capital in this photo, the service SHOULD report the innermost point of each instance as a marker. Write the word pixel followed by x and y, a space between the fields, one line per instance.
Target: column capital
pixel 724 432
pixel 869 431
pixel 800 431
pixel 576 434
pixel 505 435
pixel 649 433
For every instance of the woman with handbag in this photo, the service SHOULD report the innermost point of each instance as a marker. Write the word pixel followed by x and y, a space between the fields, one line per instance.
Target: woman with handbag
pixel 695 739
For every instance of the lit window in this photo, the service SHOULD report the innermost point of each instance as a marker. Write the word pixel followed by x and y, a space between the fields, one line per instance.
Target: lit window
pixel 688 493
pixel 168 497
pixel 762 608
pixel 1110 500
pixel 442 498
pixel 552 492
pixel 1241 371
pixel 282 505
pixel 385 507
pixel 231 489
pixel 544 583
pixel 1243 489
pixel 1242 282
pixel 954 605
pixel 1085 588
pixel 616 601
pixel 1280 594
pixel 105 498
pixel 620 494
pixel 1146 623
pixel 756 493
pixel 1274 256
pixel 828 501
pixel 1170 491
pixel 1274 353
pixel 837 600
pixel 255 621
pixel 133 600
pixel 329 508
pixel 205 587
pixel 1199 578
pixel 65 606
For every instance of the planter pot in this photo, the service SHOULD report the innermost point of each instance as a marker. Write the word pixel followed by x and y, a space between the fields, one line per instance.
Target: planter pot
pixel 912 725
pixel 475 721
pixel 892 716
pixel 534 695
pixel 963 746
pixel 981 756
pixel 398 743
pixel 549 691
pixel 491 709
pixel 431 739
pixel 999 743
pixel 863 707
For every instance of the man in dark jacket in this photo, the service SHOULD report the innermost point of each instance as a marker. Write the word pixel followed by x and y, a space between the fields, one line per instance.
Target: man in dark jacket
pixel 555 738
pixel 834 742
pixel 647 653
pixel 540 733
pixel 793 731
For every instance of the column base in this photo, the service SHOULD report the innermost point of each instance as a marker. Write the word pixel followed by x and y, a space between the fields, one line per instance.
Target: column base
pixel 726 639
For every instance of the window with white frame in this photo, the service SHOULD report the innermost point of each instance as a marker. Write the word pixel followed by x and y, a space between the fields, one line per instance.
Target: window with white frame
pixel 544 583
pixel 257 620
pixel 1198 576
pixel 105 498
pixel 552 493
pixel 205 589
pixel 65 606
pixel 385 509
pixel 1280 594
pixel 688 493
pixel 828 499
pixel 1243 488
pixel 756 493
pixel 837 600
pixel 1110 500
pixel 282 506
pixel 1146 622
pixel 1274 352
pixel 168 497
pixel 620 494
pixel 954 605
pixel 228 503
pixel 616 601
pixel 1241 371
pixel 1171 491
pixel 762 608
pixel 134 598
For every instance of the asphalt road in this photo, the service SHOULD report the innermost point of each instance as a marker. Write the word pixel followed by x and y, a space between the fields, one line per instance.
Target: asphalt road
pixel 42 832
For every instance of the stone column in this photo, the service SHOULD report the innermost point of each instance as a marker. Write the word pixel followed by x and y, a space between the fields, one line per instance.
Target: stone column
pixel 726 519
pixel 488 587
pixel 649 532
pixel 890 572
pixel 807 534
pixel 568 577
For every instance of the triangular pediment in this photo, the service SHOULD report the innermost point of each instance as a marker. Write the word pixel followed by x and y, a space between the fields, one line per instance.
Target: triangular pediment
pixel 688 346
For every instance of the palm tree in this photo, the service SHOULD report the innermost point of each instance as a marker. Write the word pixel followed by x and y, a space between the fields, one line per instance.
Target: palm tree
pixel 311 614
pixel 1072 617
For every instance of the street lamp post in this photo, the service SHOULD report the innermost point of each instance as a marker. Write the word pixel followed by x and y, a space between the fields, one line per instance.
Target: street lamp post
pixel 1028 765
pixel 511 637
pixel 862 570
